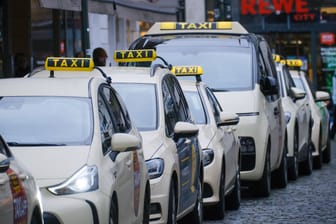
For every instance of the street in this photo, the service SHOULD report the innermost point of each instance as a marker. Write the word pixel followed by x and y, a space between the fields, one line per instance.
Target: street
pixel 310 199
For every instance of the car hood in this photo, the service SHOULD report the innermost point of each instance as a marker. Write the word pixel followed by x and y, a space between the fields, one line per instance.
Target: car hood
pixel 228 101
pixel 52 165
pixel 152 142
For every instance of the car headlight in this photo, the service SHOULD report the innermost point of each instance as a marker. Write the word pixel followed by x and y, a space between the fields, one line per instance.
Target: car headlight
pixel 208 156
pixel 84 180
pixel 287 116
pixel 155 167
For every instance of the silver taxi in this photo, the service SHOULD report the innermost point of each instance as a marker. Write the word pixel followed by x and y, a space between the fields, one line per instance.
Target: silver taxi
pixel 20 198
pixel 76 137
pixel 220 145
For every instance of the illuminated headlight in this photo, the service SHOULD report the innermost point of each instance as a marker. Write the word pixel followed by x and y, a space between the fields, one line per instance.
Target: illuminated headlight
pixel 247 145
pixel 155 167
pixel 287 117
pixel 208 156
pixel 84 180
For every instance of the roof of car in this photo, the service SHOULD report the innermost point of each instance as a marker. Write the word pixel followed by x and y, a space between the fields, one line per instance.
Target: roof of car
pixel 76 87
pixel 160 28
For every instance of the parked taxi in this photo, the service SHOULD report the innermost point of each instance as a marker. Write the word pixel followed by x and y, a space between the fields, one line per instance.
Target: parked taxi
pixel 173 156
pixel 239 68
pixel 220 145
pixel 71 129
pixel 20 198
pixel 320 139
pixel 298 119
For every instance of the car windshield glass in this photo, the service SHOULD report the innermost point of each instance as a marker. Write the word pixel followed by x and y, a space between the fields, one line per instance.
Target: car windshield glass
pixel 224 67
pixel 140 100
pixel 196 107
pixel 44 121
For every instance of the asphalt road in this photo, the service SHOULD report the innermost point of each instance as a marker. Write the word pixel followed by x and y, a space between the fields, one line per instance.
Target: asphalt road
pixel 309 200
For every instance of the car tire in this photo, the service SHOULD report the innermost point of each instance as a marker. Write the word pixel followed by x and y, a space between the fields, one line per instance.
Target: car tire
pixel 146 212
pixel 280 179
pixel 317 160
pixel 326 152
pixel 262 188
pixel 217 211
pixel 172 205
pixel 306 167
pixel 234 198
pixel 113 219
pixel 196 216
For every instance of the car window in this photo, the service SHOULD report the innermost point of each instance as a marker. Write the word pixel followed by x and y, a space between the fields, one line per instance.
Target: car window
pixel 196 107
pixel 141 102
pixel 121 124
pixel 106 124
pixel 46 120
pixel 219 57
pixel 215 106
pixel 169 106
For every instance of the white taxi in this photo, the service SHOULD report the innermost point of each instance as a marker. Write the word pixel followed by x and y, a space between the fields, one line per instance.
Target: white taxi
pixel 156 102
pixel 320 141
pixel 220 146
pixel 239 68
pixel 298 119
pixel 20 198
pixel 77 139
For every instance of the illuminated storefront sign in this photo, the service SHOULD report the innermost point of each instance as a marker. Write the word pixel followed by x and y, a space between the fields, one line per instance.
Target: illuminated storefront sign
pixel 267 7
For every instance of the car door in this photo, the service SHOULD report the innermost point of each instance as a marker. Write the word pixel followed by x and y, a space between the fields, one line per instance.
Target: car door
pixel 273 105
pixel 227 138
pixel 176 111
pixel 13 197
pixel 118 167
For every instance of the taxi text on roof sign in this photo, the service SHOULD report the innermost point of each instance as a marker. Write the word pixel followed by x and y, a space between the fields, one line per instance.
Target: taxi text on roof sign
pixel 294 62
pixel 196 26
pixel 69 64
pixel 187 70
pixel 135 55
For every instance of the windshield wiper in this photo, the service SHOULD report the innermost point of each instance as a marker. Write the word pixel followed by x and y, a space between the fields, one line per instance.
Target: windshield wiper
pixel 219 90
pixel 33 144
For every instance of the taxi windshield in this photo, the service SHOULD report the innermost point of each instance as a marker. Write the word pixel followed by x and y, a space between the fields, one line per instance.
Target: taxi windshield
pixel 140 100
pixel 225 67
pixel 195 106
pixel 44 121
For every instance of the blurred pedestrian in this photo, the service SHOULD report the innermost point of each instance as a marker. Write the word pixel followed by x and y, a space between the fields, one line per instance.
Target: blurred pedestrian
pixel 99 56
pixel 21 65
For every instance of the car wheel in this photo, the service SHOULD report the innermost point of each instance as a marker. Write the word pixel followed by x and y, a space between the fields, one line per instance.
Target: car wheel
pixel 196 216
pixel 233 199
pixel 146 212
pixel 317 160
pixel 172 208
pixel 306 167
pixel 280 175
pixel 218 211
pixel 326 152
pixel 113 212
pixel 262 188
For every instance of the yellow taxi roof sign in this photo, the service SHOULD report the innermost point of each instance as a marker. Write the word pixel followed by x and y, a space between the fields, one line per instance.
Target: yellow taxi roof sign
pixel 276 57
pixel 229 27
pixel 135 55
pixel 69 64
pixel 190 70
pixel 294 62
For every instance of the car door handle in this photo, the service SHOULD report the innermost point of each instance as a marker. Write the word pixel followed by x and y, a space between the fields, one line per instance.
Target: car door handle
pixel 187 141
pixel 23 177
pixel 276 111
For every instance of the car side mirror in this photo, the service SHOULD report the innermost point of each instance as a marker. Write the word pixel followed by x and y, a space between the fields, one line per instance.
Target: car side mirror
pixel 185 130
pixel 322 96
pixel 121 142
pixel 4 163
pixel 297 93
pixel 269 85
pixel 226 119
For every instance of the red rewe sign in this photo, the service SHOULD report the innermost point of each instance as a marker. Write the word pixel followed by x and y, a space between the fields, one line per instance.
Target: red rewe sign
pixel 264 7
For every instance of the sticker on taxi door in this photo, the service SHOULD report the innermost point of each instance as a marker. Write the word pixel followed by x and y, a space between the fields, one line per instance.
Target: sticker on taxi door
pixel 20 203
